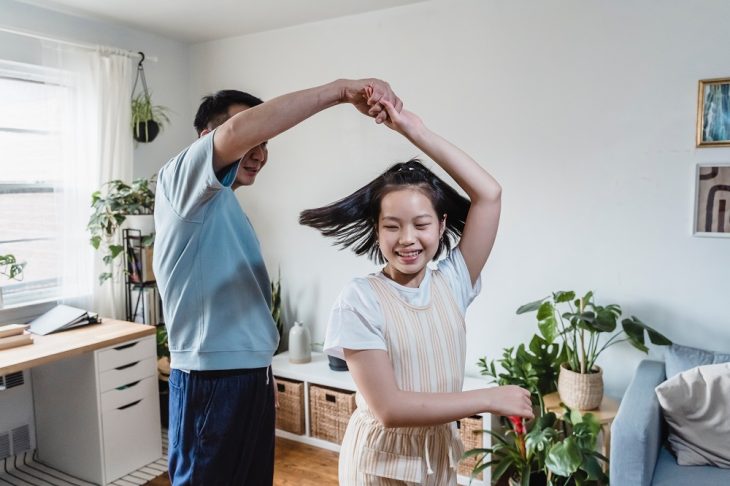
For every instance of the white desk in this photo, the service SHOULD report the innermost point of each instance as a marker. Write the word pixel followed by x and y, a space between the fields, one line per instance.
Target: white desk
pixel 95 398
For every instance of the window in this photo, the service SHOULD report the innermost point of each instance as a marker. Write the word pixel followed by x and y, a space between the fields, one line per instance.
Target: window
pixel 30 106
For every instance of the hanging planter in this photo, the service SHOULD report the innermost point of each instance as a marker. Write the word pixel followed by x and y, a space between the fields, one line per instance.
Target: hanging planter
pixel 148 119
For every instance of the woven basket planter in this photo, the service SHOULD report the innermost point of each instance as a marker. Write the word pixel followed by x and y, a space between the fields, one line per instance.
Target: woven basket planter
pixel 580 391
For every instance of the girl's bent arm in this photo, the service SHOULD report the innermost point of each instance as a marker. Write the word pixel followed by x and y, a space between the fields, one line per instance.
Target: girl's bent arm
pixel 483 190
pixel 373 374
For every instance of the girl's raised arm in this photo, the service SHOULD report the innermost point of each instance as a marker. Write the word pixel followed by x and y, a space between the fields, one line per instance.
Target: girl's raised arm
pixel 480 229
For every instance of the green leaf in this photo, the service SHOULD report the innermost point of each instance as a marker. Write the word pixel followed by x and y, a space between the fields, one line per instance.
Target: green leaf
pixel 95 241
pixel 654 336
pixel 104 277
pixel 593 469
pixel 605 319
pixel 546 321
pixel 475 452
pixel 115 250
pixel 635 332
pixel 501 468
pixel 588 297
pixel 525 476
pixel 532 306
pixel 563 296
pixel 564 458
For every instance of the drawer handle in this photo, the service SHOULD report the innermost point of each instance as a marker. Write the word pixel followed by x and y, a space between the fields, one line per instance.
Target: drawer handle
pixel 129 405
pixel 129 385
pixel 280 387
pixel 330 398
pixel 124 367
pixel 125 346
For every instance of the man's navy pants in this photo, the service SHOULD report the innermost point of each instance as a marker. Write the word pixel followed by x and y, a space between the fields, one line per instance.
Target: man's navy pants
pixel 221 429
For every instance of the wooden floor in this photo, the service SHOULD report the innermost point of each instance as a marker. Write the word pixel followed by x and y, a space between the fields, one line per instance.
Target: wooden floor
pixel 296 464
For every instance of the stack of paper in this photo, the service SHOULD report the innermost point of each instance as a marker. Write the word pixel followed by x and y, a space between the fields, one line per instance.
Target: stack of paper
pixel 60 318
pixel 12 335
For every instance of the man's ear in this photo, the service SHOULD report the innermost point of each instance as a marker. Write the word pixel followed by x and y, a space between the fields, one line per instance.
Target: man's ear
pixel 205 132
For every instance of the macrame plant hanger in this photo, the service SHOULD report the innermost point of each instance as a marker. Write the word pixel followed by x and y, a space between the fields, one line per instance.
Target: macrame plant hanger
pixel 144 126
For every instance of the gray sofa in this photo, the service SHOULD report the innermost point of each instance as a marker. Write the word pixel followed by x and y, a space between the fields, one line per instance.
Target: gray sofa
pixel 638 454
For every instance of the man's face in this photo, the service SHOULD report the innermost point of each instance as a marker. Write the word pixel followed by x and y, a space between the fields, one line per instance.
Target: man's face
pixel 253 161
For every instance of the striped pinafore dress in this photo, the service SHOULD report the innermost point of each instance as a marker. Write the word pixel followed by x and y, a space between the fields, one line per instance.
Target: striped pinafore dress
pixel 426 346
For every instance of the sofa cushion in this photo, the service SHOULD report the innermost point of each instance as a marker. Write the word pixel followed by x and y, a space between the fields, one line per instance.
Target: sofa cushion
pixel 696 406
pixel 682 358
pixel 668 473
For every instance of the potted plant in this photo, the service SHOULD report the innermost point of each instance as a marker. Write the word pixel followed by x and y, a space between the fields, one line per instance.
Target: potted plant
pixel 148 119
pixel 10 267
pixel 581 323
pixel 549 450
pixel 276 307
pixel 111 206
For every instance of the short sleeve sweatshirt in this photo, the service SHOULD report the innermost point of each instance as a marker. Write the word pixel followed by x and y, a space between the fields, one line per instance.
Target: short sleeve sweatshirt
pixel 357 320
pixel 210 272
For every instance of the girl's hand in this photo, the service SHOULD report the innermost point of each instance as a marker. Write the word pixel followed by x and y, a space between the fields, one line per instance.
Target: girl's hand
pixel 405 122
pixel 510 400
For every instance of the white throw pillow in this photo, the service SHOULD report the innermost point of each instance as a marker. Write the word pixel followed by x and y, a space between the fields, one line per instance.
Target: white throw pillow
pixel 696 406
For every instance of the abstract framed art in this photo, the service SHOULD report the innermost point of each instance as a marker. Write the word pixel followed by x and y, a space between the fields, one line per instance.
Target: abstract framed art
pixel 712 200
pixel 713 113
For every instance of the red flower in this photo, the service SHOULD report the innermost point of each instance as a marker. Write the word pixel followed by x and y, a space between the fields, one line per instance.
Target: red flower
pixel 518 423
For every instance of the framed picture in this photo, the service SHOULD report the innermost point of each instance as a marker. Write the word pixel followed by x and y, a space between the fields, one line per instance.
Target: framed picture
pixel 712 200
pixel 713 113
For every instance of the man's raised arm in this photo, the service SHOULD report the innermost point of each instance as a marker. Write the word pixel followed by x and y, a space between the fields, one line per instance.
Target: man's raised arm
pixel 256 125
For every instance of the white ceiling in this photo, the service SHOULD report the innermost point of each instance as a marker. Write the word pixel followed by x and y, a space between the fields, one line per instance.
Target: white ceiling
pixel 196 21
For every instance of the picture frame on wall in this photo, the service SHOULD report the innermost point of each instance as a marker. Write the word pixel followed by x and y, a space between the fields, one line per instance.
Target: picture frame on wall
pixel 712 200
pixel 713 113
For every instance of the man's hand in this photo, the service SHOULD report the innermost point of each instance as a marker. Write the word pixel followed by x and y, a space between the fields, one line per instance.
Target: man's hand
pixel 366 95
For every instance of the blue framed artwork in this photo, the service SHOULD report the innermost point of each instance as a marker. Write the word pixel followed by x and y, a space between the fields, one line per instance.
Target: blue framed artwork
pixel 713 113
pixel 712 200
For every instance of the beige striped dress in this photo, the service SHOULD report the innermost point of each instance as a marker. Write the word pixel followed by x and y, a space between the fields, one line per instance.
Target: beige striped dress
pixel 427 346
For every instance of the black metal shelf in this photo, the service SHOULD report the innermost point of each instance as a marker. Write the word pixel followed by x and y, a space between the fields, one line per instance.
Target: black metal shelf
pixel 138 267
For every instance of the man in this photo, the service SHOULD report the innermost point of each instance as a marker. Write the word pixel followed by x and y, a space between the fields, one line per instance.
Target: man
pixel 214 285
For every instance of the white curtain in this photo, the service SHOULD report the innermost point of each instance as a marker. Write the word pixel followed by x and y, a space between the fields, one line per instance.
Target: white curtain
pixel 97 147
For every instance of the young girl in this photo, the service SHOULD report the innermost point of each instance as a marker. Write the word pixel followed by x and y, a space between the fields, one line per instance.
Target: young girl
pixel 402 330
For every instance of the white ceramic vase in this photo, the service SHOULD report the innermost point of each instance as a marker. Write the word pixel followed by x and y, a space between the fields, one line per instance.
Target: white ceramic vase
pixel 300 344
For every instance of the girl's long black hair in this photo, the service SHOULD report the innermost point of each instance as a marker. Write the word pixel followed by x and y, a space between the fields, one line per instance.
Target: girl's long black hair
pixel 353 220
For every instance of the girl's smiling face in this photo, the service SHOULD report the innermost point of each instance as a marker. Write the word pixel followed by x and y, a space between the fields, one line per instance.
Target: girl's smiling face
pixel 409 232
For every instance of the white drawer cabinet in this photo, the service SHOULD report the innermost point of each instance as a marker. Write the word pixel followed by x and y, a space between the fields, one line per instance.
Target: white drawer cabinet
pixel 97 414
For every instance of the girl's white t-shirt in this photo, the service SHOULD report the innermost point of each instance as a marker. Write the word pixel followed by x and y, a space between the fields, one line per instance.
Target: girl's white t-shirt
pixel 357 320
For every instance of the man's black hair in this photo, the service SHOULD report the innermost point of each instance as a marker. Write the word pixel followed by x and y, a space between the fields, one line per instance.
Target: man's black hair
pixel 213 110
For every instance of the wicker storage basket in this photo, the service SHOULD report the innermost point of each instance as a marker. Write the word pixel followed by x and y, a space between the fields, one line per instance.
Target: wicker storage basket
pixel 290 414
pixel 330 410
pixel 470 430
pixel 580 392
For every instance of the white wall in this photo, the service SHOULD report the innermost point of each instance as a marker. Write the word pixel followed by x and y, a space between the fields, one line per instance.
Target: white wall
pixel 167 78
pixel 583 110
